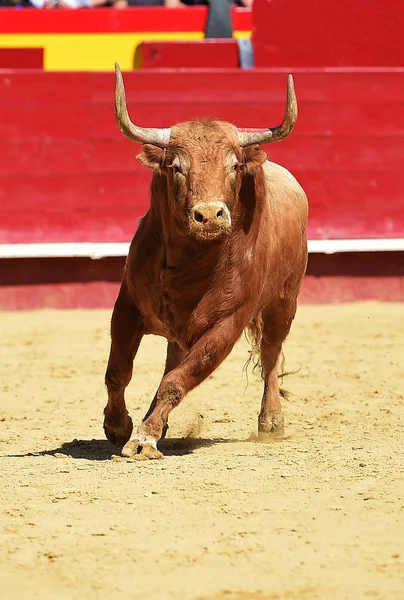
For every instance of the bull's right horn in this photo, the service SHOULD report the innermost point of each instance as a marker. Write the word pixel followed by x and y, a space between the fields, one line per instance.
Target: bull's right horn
pixel 142 135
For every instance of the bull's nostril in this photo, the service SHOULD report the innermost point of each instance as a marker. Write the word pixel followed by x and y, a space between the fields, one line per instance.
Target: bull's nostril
pixel 198 217
pixel 219 213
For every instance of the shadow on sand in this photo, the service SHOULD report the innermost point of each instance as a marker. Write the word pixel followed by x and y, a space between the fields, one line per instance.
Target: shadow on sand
pixel 101 450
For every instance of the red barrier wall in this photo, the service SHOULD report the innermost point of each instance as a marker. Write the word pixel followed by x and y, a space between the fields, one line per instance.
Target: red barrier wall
pixel 335 33
pixel 34 283
pixel 68 174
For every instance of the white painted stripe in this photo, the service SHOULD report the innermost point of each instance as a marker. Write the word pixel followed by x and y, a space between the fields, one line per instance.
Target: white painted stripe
pixel 356 245
pixel 109 249
pixel 65 250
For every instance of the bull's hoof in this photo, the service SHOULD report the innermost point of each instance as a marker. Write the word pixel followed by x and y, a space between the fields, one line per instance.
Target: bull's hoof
pixel 268 436
pixel 269 430
pixel 120 434
pixel 141 450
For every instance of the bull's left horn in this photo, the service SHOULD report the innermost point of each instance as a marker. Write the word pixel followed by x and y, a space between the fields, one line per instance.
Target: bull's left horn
pixel 268 136
pixel 143 135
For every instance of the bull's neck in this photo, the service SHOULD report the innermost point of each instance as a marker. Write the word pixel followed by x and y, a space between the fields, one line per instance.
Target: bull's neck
pixel 184 252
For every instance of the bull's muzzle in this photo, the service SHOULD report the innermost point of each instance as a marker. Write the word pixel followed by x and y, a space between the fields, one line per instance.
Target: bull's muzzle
pixel 208 220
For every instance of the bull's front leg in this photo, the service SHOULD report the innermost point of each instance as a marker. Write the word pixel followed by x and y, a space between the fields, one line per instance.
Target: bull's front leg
pixel 175 354
pixel 203 358
pixel 126 334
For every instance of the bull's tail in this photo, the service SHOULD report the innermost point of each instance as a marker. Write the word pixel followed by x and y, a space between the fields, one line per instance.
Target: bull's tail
pixel 253 333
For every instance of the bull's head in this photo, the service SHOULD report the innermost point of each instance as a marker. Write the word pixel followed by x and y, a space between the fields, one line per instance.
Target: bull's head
pixel 203 162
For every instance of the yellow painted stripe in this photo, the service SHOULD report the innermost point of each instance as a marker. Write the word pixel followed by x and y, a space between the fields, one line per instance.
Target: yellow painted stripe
pixel 92 51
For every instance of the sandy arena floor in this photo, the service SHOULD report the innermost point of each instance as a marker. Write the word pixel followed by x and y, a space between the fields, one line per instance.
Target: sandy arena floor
pixel 319 514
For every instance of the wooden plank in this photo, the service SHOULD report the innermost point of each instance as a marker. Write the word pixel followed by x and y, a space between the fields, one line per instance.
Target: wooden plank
pixel 45 87
pixel 107 221
pixel 79 156
pixel 21 58
pixel 37 120
pixel 337 85
pixel 210 53
pixel 38 226
pixel 68 193
pixel 256 86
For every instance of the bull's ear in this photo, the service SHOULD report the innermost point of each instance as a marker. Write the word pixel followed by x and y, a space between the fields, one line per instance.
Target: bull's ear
pixel 254 156
pixel 152 157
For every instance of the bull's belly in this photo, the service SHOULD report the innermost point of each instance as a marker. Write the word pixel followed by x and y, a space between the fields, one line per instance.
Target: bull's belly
pixel 153 325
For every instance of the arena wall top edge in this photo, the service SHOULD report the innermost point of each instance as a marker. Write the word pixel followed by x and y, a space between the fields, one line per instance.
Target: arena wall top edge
pixel 93 40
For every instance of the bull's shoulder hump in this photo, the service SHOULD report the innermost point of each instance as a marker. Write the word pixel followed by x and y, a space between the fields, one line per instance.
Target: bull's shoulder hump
pixel 276 175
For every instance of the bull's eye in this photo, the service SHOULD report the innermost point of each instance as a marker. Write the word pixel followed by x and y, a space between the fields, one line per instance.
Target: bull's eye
pixel 176 169
pixel 235 167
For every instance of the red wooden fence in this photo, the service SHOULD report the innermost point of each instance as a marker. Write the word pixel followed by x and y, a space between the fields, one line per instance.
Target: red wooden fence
pixel 68 174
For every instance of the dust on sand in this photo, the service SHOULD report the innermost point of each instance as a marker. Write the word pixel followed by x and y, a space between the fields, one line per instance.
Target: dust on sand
pixel 319 514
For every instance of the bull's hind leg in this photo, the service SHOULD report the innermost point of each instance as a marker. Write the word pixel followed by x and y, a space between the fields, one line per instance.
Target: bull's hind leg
pixel 277 320
pixel 126 334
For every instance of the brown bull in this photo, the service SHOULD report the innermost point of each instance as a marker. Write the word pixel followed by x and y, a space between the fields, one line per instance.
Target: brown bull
pixel 222 248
